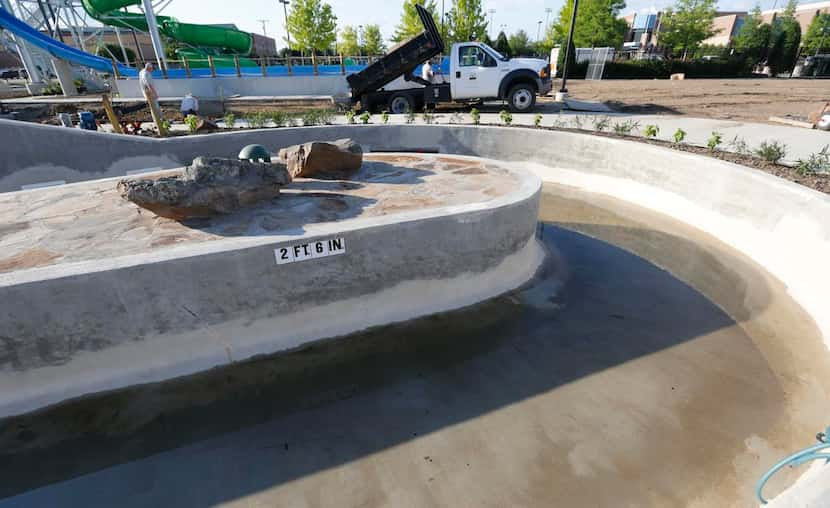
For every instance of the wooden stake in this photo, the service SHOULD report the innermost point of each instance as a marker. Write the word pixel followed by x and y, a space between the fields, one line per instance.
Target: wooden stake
pixel 113 118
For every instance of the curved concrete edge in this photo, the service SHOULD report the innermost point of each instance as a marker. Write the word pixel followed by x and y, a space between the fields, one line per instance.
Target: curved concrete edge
pixel 186 353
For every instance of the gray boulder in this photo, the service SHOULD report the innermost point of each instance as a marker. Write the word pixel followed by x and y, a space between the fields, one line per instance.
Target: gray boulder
pixel 319 157
pixel 209 186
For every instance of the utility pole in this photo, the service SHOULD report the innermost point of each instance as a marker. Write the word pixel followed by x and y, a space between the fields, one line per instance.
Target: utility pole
pixel 491 12
pixel 563 92
pixel 548 10
pixel 538 28
pixel 263 22
pixel 287 33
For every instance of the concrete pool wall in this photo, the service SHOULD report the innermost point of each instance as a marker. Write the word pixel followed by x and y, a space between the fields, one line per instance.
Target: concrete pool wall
pixel 780 226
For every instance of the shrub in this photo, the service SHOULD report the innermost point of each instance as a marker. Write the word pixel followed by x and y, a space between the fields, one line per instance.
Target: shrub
pixel 256 120
pixel 428 117
pixel 651 131
pixel 52 89
pixel 410 116
pixel 311 117
pixel 771 151
pixel 601 123
pixel 325 116
pixel 385 117
pixel 364 117
pixel 280 118
pixel 506 117
pixel 714 140
pixel 537 120
pixel 291 120
pixel 350 116
pixel 192 122
pixel 738 145
pixel 625 128
pixel 679 135
pixel 815 163
pixel 230 120
pixel 475 116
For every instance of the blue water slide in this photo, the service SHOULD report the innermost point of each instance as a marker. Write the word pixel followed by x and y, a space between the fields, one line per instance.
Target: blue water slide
pixel 58 49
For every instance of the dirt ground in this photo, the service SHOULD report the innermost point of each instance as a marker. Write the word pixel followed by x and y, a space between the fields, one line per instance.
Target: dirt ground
pixel 730 99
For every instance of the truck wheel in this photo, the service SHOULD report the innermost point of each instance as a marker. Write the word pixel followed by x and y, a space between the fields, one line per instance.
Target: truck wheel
pixel 521 98
pixel 401 103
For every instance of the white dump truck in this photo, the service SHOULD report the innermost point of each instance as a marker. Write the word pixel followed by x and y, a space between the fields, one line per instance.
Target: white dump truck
pixel 476 72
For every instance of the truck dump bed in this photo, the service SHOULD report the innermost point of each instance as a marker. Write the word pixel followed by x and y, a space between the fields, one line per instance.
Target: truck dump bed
pixel 402 59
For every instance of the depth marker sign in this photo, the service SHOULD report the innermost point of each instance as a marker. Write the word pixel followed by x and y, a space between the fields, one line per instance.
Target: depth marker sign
pixel 310 250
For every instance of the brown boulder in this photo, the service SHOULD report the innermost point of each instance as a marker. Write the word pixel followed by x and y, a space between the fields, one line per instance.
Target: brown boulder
pixel 315 157
pixel 209 186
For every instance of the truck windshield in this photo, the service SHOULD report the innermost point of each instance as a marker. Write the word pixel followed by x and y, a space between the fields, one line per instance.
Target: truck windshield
pixel 495 53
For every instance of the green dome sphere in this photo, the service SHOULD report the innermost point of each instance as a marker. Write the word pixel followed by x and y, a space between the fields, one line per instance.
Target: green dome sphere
pixel 255 153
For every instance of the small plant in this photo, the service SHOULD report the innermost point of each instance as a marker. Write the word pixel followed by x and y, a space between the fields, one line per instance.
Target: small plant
pixel 651 131
pixel 578 122
pixel 625 128
pixel 280 118
pixel 771 151
pixel 325 116
pixel 456 117
pixel 230 120
pixel 410 116
pixel 537 120
pixel 475 116
pixel 506 117
pixel 714 140
pixel 52 89
pixel 738 145
pixel 428 117
pixel 165 125
pixel 311 117
pixel 350 116
pixel 291 120
pixel 601 123
pixel 192 122
pixel 384 117
pixel 364 117
pixel 256 120
pixel 815 163
pixel 560 122
pixel 679 135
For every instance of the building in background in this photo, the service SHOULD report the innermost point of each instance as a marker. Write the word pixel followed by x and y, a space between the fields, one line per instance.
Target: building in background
pixel 726 26
pixel 804 14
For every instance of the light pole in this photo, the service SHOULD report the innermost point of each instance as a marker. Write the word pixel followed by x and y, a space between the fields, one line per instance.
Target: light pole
pixel 548 10
pixel 263 21
pixel 563 92
pixel 287 33
pixel 538 28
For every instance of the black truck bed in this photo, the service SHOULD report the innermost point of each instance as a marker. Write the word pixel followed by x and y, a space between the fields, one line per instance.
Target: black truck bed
pixel 401 60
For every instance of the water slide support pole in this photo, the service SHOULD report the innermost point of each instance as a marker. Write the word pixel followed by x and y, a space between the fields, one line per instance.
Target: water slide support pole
pixel 153 29
pixel 23 51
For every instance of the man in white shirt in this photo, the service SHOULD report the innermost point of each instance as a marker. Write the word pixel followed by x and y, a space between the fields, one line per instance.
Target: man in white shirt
pixel 145 81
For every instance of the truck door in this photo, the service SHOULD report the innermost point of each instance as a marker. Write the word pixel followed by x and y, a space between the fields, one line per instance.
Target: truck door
pixel 476 73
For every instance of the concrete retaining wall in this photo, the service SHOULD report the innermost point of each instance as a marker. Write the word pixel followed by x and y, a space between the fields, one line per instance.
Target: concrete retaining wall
pixel 225 86
pixel 780 224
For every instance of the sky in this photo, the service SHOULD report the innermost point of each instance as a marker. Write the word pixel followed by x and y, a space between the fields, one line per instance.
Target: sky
pixel 514 14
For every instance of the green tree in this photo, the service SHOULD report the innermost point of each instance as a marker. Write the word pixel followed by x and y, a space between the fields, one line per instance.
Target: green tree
pixel 410 22
pixel 466 21
pixel 520 44
pixel 312 25
pixel 598 24
pixel 503 46
pixel 785 39
pixel 753 39
pixel 349 43
pixel 817 38
pixel 373 40
pixel 684 26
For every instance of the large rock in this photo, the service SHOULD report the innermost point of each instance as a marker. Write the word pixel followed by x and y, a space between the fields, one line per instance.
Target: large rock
pixel 317 157
pixel 209 186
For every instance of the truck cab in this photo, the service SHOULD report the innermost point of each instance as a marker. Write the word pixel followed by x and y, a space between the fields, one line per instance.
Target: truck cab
pixel 479 72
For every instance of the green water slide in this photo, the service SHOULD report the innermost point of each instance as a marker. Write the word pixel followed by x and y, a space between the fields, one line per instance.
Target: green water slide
pixel 201 40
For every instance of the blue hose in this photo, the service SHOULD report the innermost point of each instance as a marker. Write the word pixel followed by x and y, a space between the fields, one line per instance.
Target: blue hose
pixel 796 459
